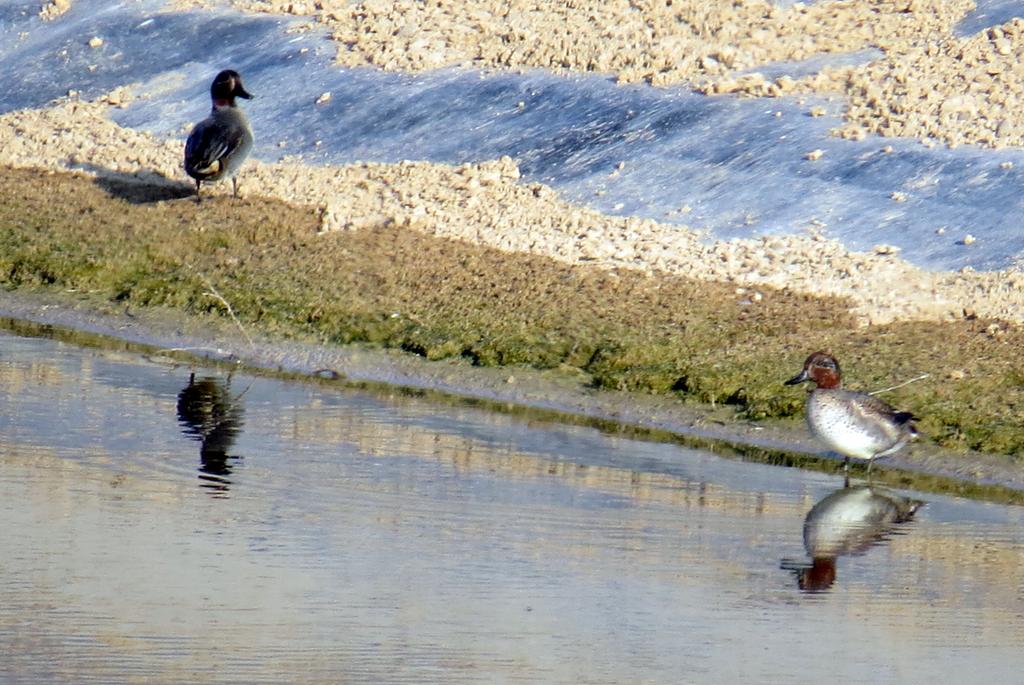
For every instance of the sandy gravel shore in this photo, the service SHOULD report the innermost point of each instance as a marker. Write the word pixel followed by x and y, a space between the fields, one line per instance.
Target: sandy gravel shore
pixel 488 204
pixel 927 83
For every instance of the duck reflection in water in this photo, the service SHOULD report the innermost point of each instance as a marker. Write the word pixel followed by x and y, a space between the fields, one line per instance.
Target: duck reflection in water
pixel 209 413
pixel 849 521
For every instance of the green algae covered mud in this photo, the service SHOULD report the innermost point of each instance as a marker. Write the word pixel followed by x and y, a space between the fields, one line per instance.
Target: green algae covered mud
pixel 384 285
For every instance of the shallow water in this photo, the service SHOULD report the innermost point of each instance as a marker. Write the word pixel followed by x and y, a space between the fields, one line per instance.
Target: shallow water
pixel 161 527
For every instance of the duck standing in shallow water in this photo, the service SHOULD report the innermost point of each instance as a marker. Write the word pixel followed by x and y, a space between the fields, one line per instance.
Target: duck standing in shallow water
pixel 220 143
pixel 855 424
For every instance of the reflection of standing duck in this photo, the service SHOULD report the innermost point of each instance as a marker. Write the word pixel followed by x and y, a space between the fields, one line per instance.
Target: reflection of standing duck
pixel 849 521
pixel 209 414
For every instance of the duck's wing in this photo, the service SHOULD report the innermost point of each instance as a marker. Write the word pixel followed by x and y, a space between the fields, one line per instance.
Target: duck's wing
pixel 872 407
pixel 208 144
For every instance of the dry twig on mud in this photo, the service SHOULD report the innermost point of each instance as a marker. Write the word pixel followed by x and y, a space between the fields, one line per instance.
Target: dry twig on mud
pixel 212 292
pixel 896 387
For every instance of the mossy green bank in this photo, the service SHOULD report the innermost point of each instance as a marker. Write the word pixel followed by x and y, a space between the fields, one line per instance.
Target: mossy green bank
pixel 703 342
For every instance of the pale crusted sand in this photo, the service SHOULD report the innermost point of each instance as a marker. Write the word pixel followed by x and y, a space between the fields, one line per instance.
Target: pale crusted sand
pixel 54 8
pixel 488 204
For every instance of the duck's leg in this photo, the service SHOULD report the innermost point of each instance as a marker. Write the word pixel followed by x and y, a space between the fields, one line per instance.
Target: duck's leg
pixel 198 182
pixel 234 186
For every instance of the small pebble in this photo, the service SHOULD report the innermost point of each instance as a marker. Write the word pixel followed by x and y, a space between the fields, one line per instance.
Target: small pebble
pixel 323 98
pixel 968 239
pixel 95 42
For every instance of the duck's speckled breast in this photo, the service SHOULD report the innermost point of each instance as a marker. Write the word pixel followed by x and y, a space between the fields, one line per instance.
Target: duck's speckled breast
pixel 235 126
pixel 850 423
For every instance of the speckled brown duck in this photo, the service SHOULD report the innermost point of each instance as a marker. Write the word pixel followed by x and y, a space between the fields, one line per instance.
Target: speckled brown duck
pixel 855 424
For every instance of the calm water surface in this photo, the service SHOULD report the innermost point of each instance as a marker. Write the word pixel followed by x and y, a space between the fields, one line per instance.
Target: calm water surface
pixel 163 527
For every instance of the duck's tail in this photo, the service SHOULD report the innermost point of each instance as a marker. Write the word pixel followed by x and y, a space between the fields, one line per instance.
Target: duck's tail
pixel 905 418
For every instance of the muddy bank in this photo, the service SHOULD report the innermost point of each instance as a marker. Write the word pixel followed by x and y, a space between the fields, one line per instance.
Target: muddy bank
pixel 442 299
pixel 168 337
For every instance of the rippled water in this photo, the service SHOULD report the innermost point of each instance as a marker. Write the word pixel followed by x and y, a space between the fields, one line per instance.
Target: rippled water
pixel 160 526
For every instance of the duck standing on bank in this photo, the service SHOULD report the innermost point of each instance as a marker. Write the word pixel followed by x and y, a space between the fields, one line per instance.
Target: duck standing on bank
pixel 220 143
pixel 855 424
